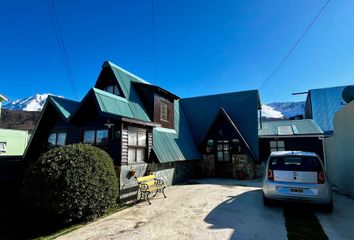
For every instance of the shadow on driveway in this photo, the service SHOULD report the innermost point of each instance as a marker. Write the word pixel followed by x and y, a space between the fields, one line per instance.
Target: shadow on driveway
pixel 247 216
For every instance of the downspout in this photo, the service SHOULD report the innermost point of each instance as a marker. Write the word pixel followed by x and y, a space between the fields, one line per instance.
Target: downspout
pixel 324 152
pixel 260 119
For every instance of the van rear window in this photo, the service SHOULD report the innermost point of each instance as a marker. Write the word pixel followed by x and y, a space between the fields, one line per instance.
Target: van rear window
pixel 295 163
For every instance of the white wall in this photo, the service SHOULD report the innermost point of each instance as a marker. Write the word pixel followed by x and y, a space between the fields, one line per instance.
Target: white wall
pixel 340 150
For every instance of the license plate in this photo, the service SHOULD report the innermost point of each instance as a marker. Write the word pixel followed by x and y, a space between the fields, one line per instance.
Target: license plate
pixel 297 190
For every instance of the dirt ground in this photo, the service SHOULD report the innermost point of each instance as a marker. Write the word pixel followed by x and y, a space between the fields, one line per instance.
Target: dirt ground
pixel 211 209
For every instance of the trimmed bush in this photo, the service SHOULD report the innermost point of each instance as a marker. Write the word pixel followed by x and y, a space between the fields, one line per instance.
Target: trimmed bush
pixel 72 183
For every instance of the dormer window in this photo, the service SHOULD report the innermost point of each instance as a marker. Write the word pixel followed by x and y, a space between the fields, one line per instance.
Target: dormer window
pixel 112 89
pixel 164 110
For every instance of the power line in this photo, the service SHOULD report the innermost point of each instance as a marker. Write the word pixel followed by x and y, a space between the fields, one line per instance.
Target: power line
pixel 61 45
pixel 153 39
pixel 295 45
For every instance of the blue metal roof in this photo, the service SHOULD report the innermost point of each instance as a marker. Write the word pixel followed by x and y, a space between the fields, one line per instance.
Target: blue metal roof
pixel 322 104
pixel 242 107
pixel 297 127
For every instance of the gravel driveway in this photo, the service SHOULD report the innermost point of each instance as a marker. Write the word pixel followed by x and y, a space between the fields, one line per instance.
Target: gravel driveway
pixel 212 209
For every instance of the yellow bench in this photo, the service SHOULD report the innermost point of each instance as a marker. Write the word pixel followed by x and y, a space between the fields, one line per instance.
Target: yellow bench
pixel 150 184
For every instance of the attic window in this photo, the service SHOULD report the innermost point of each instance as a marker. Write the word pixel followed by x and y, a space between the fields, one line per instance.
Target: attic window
pixel 2 147
pixel 112 89
pixel 164 110
pixel 285 130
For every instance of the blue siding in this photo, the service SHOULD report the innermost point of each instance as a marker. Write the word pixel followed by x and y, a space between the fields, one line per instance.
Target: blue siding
pixel 324 103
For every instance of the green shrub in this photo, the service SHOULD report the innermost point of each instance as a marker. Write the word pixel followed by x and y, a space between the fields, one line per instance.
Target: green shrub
pixel 72 183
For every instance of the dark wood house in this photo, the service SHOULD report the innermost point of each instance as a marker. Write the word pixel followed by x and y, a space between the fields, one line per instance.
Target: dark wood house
pixel 148 128
pixel 290 135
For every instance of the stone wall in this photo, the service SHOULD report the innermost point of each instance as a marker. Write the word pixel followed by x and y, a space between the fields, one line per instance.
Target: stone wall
pixel 243 167
pixel 207 165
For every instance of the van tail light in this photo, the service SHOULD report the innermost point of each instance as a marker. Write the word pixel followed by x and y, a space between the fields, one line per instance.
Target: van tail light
pixel 321 177
pixel 270 175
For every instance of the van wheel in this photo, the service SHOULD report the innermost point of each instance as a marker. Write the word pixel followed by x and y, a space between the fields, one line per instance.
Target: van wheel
pixel 266 201
pixel 328 208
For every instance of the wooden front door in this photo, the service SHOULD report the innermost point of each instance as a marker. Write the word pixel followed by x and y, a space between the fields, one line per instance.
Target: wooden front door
pixel 223 163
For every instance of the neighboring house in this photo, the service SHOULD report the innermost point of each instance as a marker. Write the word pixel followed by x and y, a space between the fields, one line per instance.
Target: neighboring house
pixel 287 135
pixel 147 128
pixel 12 146
pixel 2 99
pixel 13 142
pixel 340 150
pixel 322 104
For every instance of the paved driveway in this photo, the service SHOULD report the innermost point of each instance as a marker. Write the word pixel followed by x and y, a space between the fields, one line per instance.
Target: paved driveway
pixel 209 209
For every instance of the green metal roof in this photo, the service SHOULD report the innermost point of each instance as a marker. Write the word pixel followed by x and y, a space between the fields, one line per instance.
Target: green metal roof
pixel 175 144
pixel 65 107
pixel 168 147
pixel 112 104
pixel 295 127
pixel 125 80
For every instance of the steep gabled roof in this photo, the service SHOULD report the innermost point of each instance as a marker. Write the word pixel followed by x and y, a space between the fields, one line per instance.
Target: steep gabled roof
pixel 223 114
pixel 112 104
pixel 241 107
pixel 116 106
pixel 124 80
pixel 295 127
pixel 65 107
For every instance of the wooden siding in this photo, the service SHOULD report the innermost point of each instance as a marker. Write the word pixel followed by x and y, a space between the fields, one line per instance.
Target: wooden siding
pixel 124 144
pixel 150 143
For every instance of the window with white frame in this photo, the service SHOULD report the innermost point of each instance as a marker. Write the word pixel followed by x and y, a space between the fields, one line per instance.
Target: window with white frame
pixel 223 150
pixel 164 110
pixel 56 139
pixel 136 145
pixel 276 146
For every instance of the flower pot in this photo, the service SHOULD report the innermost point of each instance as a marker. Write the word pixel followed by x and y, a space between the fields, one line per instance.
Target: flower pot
pixel 132 172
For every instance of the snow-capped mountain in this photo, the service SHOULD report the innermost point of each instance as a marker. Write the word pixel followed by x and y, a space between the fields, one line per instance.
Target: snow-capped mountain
pixel 283 110
pixel 32 103
pixel 275 110
pixel 269 112
pixel 289 109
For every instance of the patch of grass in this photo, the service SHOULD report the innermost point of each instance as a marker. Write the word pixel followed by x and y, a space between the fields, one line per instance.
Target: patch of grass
pixel 302 223
pixel 60 232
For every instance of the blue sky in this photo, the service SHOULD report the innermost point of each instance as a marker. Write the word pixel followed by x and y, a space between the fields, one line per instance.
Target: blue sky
pixel 202 47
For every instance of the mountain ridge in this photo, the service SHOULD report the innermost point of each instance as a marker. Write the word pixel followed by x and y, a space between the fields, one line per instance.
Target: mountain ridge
pixel 274 110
